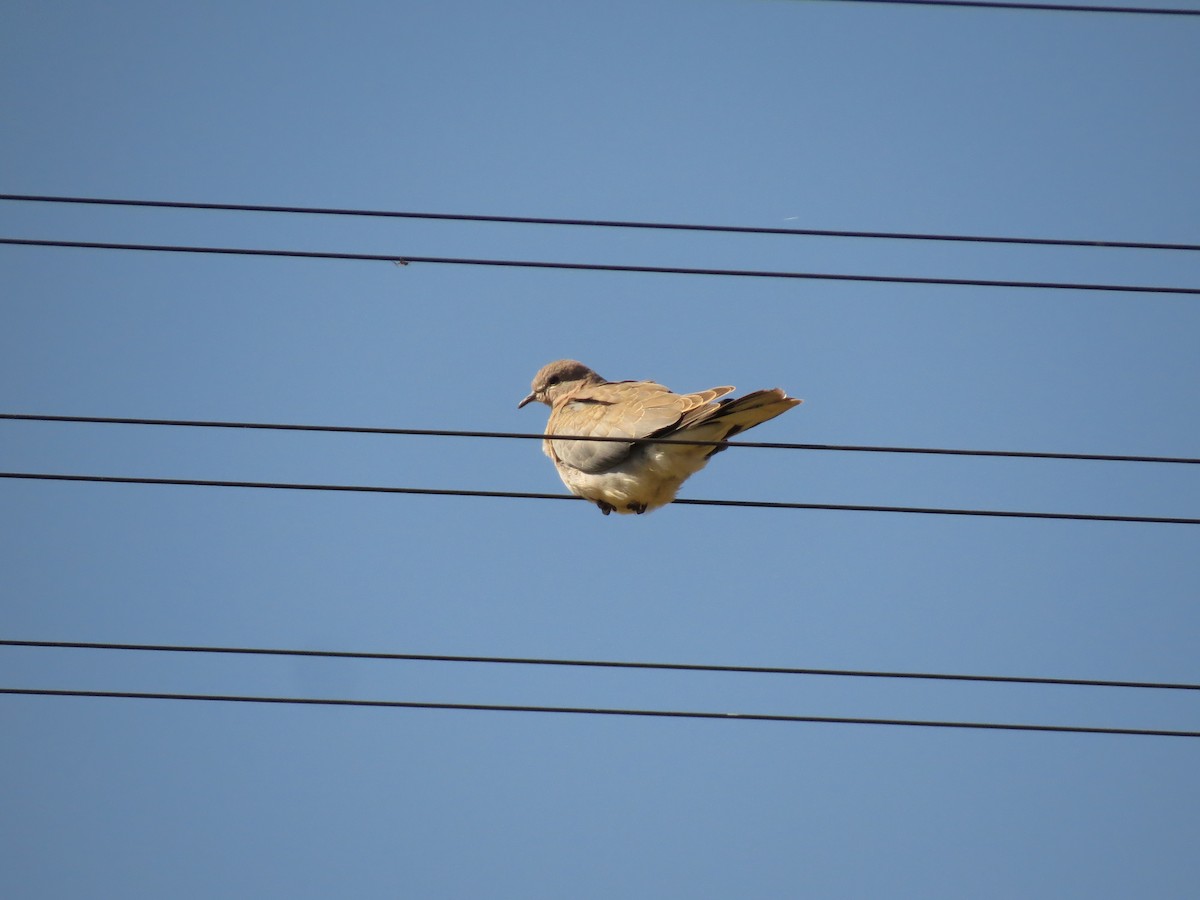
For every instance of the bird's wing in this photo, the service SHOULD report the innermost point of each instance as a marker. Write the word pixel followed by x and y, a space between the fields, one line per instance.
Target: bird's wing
pixel 621 409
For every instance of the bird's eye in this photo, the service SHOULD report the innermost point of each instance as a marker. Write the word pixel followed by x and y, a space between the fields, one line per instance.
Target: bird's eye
pixel 552 381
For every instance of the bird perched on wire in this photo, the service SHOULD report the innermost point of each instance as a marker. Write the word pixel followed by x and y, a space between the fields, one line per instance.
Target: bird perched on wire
pixel 629 476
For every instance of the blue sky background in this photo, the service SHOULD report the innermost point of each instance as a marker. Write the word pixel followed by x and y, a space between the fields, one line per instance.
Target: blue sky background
pixel 822 115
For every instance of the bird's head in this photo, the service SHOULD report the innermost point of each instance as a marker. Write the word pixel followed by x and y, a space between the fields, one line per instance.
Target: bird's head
pixel 557 379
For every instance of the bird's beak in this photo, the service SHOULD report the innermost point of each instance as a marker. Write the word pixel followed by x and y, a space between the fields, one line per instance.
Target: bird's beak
pixel 528 399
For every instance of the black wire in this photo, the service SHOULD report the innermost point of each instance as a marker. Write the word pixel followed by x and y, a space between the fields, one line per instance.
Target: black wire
pixel 1043 7
pixel 432 432
pixel 523 495
pixel 401 259
pixel 599 664
pixel 601 223
pixel 597 711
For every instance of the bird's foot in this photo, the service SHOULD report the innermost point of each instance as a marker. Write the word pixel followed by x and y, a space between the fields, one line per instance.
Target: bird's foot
pixel 638 508
pixel 605 508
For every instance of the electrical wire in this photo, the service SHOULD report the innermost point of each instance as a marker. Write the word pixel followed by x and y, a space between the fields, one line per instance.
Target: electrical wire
pixel 1041 7
pixel 597 711
pixel 600 223
pixel 404 260
pixel 597 664
pixel 442 432
pixel 524 495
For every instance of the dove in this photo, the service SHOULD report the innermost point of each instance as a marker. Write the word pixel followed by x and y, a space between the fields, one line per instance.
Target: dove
pixel 628 476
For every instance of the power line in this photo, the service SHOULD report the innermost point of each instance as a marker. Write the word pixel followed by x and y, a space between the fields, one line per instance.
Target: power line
pixel 596 711
pixel 442 432
pixel 599 664
pixel 524 495
pixel 600 223
pixel 401 259
pixel 1042 7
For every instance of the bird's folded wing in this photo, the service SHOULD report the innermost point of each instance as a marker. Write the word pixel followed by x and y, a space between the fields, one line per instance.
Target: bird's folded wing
pixel 622 409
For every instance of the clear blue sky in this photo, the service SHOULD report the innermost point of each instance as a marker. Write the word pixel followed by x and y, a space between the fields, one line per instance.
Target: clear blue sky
pixel 807 114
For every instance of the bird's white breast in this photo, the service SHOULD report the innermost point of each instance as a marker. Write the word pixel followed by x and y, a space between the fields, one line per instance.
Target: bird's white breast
pixel 649 477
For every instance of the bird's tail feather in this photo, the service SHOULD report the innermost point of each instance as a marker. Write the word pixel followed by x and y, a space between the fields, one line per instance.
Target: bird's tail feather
pixel 730 417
